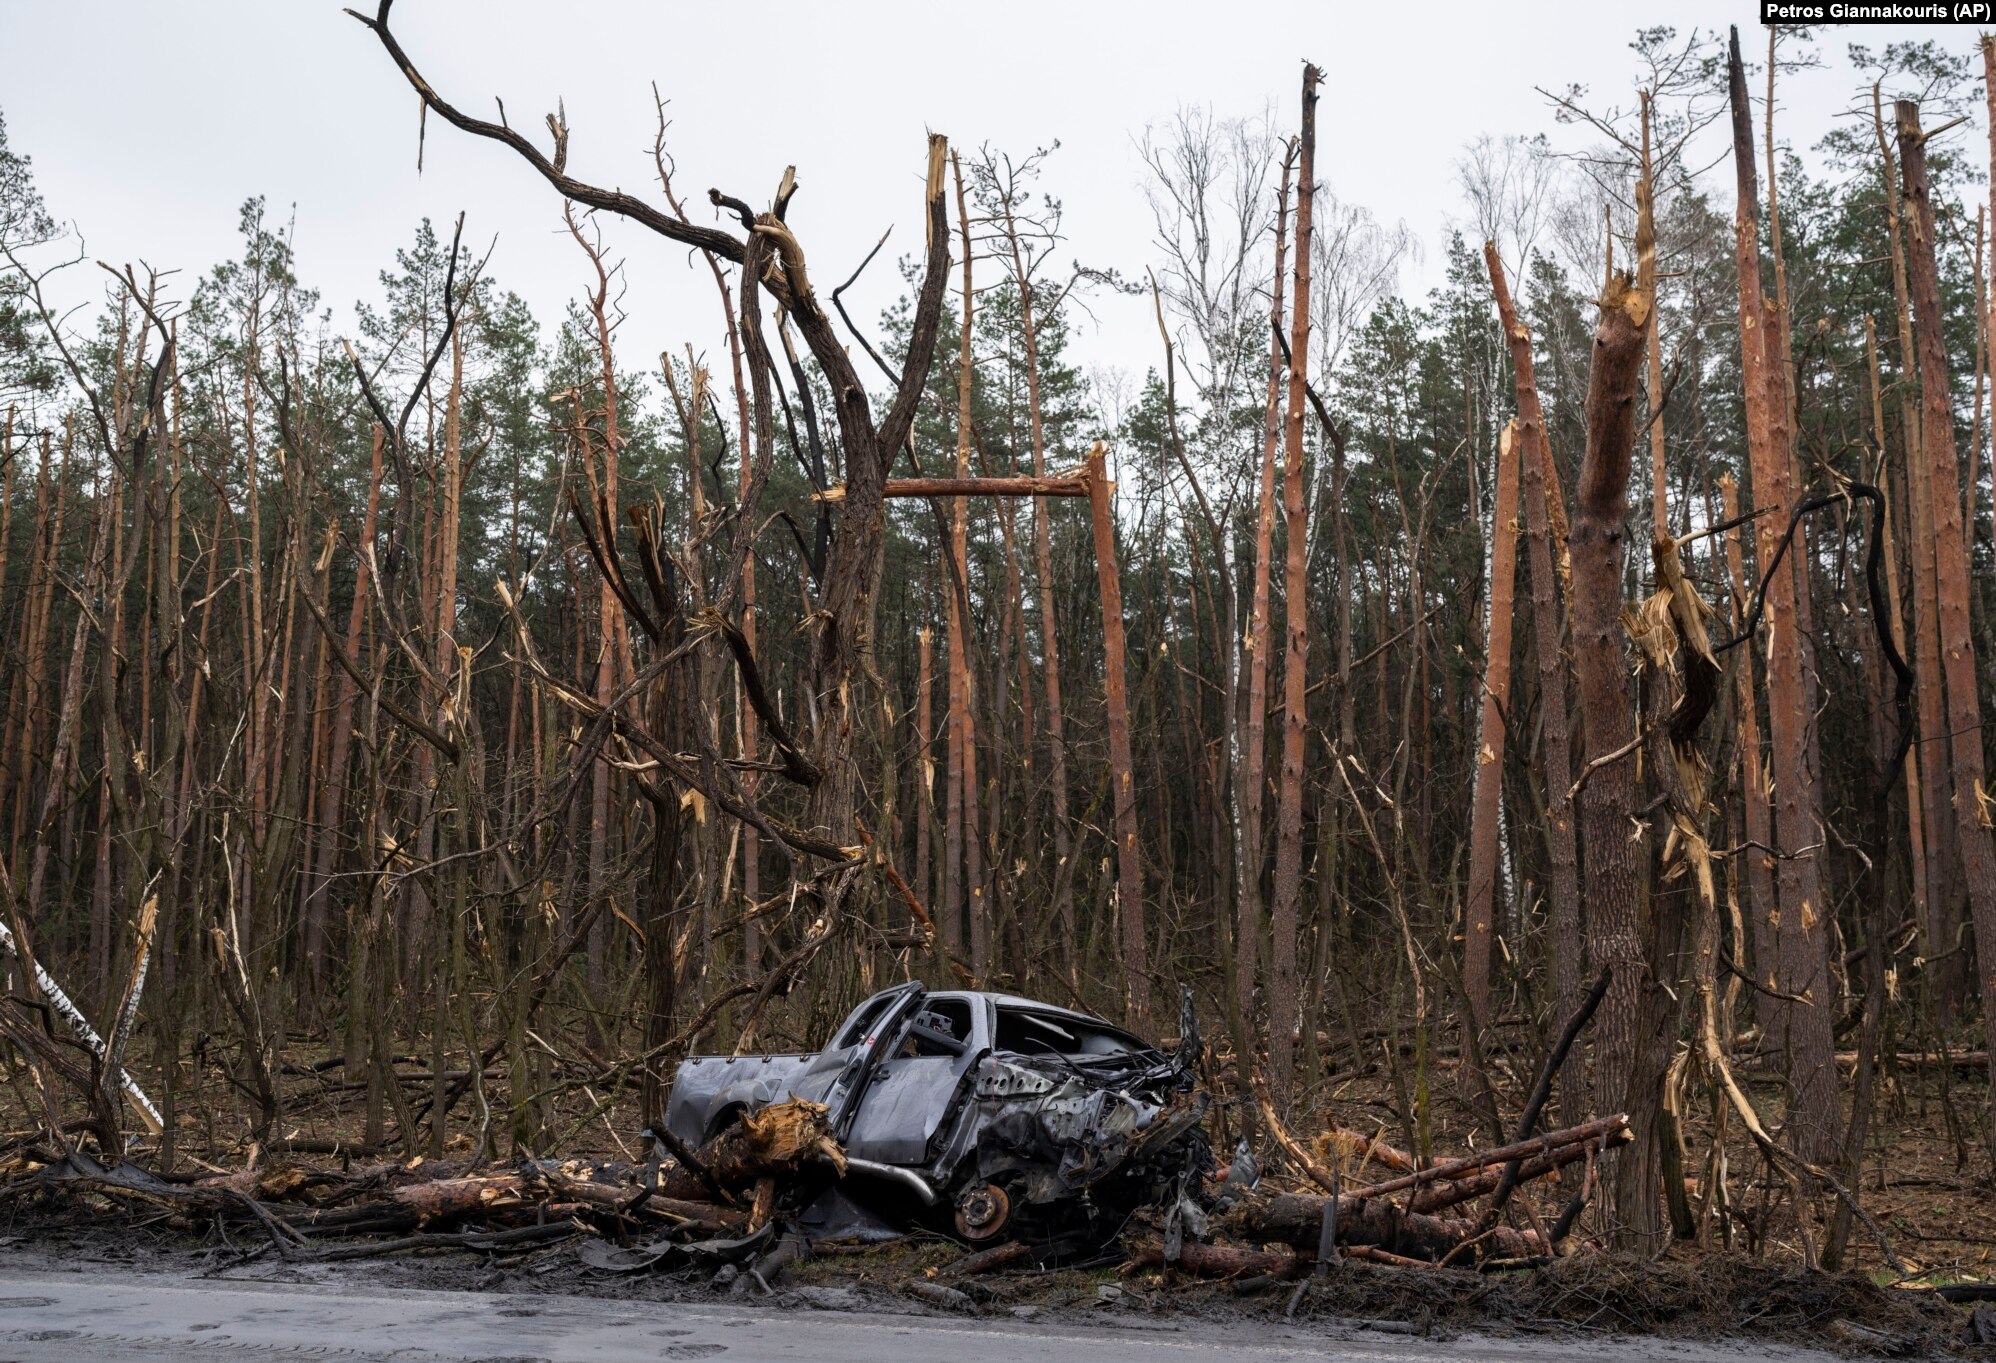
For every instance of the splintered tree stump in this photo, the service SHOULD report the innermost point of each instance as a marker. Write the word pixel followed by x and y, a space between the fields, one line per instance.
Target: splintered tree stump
pixel 1297 1219
pixel 778 1140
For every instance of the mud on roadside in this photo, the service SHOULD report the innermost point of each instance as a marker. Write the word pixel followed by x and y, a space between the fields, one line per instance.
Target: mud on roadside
pixel 1706 1298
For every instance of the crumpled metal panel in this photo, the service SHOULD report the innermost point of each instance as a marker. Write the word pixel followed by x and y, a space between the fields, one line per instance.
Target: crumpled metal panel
pixel 1076 1139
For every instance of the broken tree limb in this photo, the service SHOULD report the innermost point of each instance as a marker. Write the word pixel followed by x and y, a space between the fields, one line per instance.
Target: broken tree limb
pixel 1433 1197
pixel 1338 1142
pixel 1599 1128
pixel 1374 1254
pixel 483 1240
pixel 1298 1154
pixel 1297 1219
pixel 71 1014
pixel 690 1161
pixel 620 1201
pixel 1543 1088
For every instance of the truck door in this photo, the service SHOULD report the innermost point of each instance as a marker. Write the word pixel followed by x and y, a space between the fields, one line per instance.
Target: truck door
pixel 915 1088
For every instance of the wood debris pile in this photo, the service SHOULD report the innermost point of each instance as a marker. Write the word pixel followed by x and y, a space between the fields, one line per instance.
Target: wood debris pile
pixel 721 1200
pixel 1421 1217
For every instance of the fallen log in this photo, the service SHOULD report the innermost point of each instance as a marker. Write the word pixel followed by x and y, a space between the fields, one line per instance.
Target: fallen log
pixel 603 1197
pixel 1298 1219
pixel 1601 1128
pixel 986 1259
pixel 448 1199
pixel 935 1294
pixel 1434 1197
pixel 1220 1261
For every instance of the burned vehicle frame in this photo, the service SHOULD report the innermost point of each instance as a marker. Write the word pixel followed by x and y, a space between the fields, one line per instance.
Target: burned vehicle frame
pixel 980 1114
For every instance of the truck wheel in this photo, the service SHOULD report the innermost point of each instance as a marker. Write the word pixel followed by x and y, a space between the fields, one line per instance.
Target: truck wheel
pixel 982 1212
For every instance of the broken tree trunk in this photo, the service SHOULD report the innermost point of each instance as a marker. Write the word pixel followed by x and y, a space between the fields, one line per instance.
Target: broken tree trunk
pixel 1061 485
pixel 1434 1197
pixel 1757 820
pixel 778 1139
pixel 1957 647
pixel 1487 804
pixel 1288 883
pixel 1297 1219
pixel 1601 1128
pixel 1569 951
pixel 1600 662
pixel 1932 864
pixel 1122 782
pixel 1801 932
pixel 1251 768
pixel 962 710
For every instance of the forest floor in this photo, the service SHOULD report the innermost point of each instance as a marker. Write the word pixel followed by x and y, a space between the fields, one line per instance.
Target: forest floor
pixel 1925 1181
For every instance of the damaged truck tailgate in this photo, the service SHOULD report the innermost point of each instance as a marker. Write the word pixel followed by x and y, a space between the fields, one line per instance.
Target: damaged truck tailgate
pixel 976 1112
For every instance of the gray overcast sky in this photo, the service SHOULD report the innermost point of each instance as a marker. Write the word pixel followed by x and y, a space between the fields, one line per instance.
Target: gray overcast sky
pixel 149 123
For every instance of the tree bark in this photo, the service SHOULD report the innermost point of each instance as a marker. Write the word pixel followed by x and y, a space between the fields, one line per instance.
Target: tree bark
pixel 1129 859
pixel 1288 885
pixel 963 708
pixel 1950 550
pixel 1487 806
pixel 1610 800
pixel 1251 770
pixel 1801 931
pixel 1569 947
pixel 1927 757
pixel 1756 817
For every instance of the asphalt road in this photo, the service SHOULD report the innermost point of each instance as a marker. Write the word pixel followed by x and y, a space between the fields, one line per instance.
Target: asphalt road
pixel 117 1316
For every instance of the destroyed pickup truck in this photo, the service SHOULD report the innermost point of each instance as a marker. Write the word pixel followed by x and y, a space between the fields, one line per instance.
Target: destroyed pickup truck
pixel 976 1112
